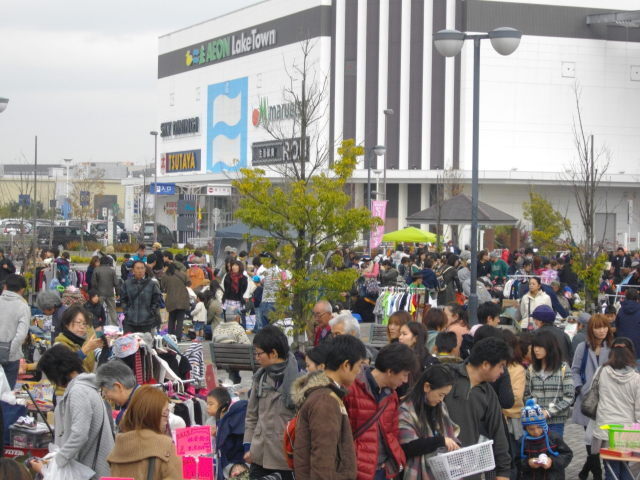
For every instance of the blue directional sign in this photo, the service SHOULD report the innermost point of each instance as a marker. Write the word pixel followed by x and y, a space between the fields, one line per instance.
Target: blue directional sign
pixel 24 200
pixel 162 189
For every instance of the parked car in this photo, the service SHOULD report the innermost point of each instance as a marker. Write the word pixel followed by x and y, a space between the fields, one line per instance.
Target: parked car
pixel 13 228
pixel 63 235
pixel 99 229
pixel 165 236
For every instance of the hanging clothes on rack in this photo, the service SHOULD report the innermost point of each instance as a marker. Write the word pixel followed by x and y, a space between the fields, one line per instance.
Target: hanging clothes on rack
pixel 393 299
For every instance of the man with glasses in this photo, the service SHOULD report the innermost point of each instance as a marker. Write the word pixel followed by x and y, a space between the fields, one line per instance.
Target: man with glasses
pixel 270 404
pixel 322 313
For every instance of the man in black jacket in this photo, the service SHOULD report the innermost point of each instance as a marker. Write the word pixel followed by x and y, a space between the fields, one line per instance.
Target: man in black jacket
pixel 473 404
pixel 6 268
pixel 141 299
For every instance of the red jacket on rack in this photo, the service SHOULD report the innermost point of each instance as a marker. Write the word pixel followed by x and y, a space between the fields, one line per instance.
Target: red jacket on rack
pixel 361 406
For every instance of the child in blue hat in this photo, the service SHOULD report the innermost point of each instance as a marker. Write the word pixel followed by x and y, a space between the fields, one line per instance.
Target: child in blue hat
pixel 543 454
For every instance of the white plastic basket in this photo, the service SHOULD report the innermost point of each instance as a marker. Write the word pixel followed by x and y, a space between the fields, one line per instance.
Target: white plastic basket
pixel 463 462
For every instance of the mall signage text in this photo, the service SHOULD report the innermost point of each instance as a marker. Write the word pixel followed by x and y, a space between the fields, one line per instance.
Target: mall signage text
pixel 180 127
pixel 230 45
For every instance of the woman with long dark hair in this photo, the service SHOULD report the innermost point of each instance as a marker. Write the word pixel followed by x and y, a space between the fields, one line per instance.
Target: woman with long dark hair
pixel 619 399
pixel 425 425
pixel 235 284
pixel 549 381
pixel 590 355
pixel 414 336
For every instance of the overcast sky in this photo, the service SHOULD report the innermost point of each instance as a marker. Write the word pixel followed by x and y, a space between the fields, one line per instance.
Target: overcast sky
pixel 82 75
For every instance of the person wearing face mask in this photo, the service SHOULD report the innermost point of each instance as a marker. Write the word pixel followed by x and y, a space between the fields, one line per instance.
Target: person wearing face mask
pixel 425 425
pixel 143 449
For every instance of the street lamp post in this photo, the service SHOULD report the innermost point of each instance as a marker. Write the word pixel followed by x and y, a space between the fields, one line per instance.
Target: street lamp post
pixel 387 113
pixel 449 43
pixel 155 185
pixel 378 150
pixel 67 162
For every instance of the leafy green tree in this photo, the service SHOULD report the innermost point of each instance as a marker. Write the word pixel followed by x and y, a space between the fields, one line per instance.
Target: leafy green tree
pixel 547 223
pixel 309 218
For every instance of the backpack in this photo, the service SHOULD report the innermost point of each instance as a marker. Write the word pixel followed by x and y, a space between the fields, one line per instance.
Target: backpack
pixel 289 438
pixel 442 284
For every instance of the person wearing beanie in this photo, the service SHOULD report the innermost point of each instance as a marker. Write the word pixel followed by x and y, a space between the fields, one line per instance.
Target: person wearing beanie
pixel 543 319
pixel 543 454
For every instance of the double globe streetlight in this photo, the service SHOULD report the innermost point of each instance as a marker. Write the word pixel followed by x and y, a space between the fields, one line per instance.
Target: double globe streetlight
pixel 448 43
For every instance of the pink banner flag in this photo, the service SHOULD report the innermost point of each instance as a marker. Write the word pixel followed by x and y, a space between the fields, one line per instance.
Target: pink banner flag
pixel 378 209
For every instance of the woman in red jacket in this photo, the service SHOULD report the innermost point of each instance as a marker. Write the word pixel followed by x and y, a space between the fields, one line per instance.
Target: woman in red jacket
pixel 372 405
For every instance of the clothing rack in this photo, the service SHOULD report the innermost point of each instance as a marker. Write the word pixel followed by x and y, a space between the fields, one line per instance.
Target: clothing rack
pixel 403 289
pixel 174 383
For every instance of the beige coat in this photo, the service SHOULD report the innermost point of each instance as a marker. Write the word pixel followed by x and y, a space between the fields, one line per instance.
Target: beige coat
pixel 132 451
pixel 528 304
pixel 518 378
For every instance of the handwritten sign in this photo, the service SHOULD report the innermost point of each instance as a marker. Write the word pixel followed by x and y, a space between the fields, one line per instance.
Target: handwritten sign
pixel 193 440
pixel 205 468
pixel 189 468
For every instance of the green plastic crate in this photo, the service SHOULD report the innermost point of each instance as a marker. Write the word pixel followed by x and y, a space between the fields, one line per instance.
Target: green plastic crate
pixel 623 436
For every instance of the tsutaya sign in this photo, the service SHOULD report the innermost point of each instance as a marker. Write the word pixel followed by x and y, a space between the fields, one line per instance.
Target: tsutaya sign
pixel 230 45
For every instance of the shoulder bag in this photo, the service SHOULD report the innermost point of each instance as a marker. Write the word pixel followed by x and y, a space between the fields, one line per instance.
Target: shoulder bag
pixel 590 401
pixel 366 425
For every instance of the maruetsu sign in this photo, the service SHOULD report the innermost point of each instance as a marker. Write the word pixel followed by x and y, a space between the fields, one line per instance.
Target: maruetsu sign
pixel 223 47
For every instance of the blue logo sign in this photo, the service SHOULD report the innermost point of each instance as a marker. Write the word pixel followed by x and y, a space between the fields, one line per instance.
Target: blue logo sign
pixel 24 200
pixel 162 189
pixel 227 111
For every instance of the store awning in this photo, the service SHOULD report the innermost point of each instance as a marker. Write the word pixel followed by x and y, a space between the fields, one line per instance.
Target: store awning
pixel 457 211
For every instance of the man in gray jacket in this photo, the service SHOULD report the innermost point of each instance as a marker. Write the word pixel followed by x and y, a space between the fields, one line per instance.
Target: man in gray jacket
pixel 104 281
pixel 14 325
pixel 141 299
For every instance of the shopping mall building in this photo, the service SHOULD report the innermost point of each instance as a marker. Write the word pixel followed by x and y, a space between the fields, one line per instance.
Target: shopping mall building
pixel 218 80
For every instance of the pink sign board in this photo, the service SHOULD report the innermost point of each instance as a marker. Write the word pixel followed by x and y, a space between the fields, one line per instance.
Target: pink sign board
pixel 378 209
pixel 117 478
pixel 205 468
pixel 189 468
pixel 193 440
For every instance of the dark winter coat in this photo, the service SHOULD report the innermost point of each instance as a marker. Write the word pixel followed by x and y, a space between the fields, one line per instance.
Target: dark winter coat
pixel 229 294
pixel 477 410
pixel 361 406
pixel 5 272
pixel 628 323
pixel 175 286
pixel 229 436
pixel 533 448
pixel 97 312
pixel 140 300
pixel 323 446
pixel 450 276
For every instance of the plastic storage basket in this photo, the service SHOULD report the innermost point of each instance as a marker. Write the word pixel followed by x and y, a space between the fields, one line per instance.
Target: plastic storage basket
pixel 463 462
pixel 623 436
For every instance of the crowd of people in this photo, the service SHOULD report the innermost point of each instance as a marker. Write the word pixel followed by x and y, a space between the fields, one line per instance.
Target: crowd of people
pixel 341 408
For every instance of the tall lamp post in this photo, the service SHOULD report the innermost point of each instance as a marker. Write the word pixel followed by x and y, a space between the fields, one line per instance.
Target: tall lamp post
pixel 378 151
pixel 387 113
pixel 505 41
pixel 155 185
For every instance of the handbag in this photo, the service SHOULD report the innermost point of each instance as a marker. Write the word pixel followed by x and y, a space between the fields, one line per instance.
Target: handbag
pixel 589 407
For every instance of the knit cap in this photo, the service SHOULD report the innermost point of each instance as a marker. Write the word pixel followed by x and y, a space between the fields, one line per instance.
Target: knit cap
pixel 532 414
pixel 544 313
